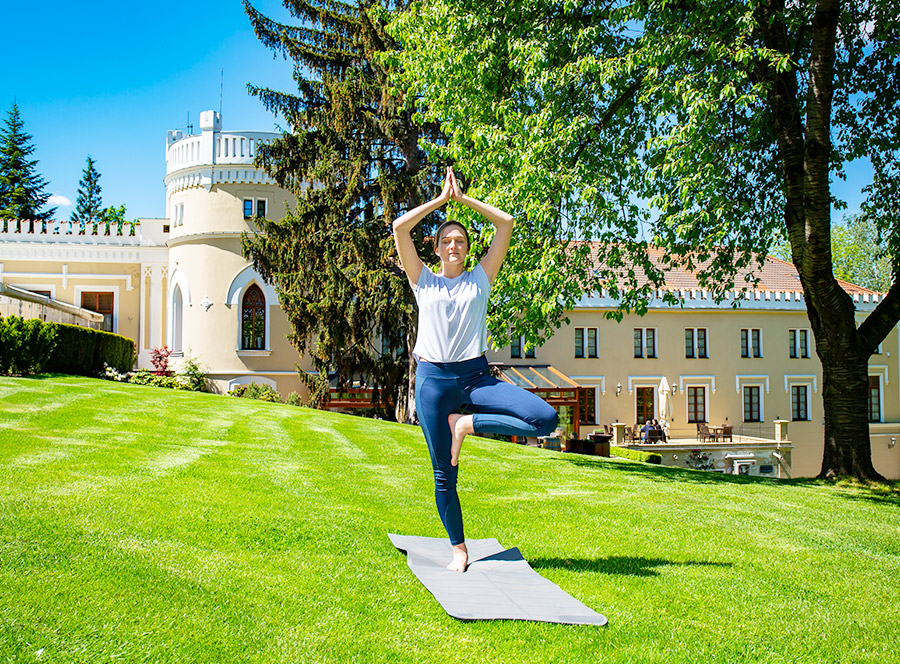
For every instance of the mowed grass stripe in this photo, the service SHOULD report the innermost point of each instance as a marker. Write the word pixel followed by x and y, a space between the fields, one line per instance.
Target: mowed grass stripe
pixel 140 524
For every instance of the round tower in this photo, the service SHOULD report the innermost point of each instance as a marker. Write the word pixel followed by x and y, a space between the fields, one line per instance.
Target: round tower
pixel 220 312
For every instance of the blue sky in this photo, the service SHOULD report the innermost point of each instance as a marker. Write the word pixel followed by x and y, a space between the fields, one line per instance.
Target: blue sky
pixel 109 79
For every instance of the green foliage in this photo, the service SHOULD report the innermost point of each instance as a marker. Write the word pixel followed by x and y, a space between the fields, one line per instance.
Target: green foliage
pixel 88 206
pixel 635 455
pixel 86 352
pixel 193 375
pixel 25 345
pixel 255 391
pixel 22 194
pixel 332 258
pixel 675 135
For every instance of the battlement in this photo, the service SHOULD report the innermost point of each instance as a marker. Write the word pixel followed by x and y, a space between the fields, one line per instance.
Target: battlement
pixel 149 232
pixel 212 146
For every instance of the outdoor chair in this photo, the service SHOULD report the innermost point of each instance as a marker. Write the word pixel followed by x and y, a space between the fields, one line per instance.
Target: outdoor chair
pixel 726 433
pixel 705 433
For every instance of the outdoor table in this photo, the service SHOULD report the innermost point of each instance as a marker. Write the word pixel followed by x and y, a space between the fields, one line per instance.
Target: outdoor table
pixel 716 432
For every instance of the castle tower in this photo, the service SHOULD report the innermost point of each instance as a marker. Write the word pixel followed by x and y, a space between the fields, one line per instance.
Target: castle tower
pixel 220 312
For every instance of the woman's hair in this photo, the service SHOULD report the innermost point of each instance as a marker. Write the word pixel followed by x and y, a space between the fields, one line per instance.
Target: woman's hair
pixel 447 224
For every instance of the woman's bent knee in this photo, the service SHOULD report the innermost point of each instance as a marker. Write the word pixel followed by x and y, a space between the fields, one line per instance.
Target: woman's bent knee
pixel 547 422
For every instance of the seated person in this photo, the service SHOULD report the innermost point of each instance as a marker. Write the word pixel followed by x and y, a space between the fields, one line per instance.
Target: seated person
pixel 645 431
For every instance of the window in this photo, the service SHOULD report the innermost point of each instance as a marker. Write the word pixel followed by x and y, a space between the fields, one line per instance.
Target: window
pixel 45 293
pixel 261 208
pixel 800 403
pixel 253 319
pixel 798 343
pixel 874 399
pixel 530 353
pixel 751 403
pixel 248 208
pixel 751 343
pixel 645 406
pixel 586 402
pixel 696 404
pixel 591 342
pixel 102 303
pixel 695 342
pixel 515 347
pixel 645 342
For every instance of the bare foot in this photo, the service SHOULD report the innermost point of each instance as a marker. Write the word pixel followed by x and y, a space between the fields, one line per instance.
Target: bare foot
pixel 460 558
pixel 460 427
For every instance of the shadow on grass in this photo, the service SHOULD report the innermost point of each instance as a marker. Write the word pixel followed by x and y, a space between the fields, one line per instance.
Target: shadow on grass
pixel 887 492
pixel 622 565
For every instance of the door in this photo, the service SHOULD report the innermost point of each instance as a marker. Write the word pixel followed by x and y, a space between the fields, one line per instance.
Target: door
pixel 645 403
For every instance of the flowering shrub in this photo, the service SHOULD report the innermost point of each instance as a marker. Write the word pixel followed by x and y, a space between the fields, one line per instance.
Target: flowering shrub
pixel 191 378
pixel 159 358
pixel 698 460
pixel 112 373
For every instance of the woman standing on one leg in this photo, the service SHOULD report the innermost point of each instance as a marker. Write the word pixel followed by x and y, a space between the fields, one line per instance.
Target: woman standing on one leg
pixel 452 372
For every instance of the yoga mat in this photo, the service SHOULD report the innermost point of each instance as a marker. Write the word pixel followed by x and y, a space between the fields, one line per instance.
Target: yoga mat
pixel 499 584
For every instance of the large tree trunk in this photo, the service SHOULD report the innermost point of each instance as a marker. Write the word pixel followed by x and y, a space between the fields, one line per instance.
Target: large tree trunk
pixel 845 383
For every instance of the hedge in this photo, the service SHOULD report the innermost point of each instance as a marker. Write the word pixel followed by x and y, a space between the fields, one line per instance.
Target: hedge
pixel 83 351
pixel 636 455
pixel 30 346
pixel 25 345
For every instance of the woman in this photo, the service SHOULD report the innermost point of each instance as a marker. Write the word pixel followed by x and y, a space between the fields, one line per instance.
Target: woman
pixel 452 372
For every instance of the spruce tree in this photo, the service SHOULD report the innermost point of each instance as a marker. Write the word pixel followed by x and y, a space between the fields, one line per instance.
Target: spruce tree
pixel 88 207
pixel 353 160
pixel 22 192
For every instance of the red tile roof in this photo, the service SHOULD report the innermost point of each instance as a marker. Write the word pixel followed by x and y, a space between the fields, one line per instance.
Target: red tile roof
pixel 774 275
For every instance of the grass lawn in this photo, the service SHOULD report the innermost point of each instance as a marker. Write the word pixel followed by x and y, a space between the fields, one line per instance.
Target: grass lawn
pixel 144 525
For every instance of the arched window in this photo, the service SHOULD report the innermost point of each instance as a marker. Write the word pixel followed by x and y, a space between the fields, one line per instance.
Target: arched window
pixel 177 319
pixel 253 319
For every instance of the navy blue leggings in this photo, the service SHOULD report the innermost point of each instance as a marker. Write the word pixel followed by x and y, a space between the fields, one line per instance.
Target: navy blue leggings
pixel 443 388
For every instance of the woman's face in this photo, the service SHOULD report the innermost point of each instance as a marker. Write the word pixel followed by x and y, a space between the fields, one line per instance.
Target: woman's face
pixel 452 248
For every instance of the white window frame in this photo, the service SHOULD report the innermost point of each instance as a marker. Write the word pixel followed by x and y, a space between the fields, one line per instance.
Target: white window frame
pixel 750 354
pixel 762 401
pixel 809 390
pixel 795 334
pixel 706 392
pixel 695 346
pixel 643 355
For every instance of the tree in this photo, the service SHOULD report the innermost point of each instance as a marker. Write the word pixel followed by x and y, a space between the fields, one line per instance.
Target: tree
pixel 22 192
pixel 88 206
pixel 353 160
pixel 708 128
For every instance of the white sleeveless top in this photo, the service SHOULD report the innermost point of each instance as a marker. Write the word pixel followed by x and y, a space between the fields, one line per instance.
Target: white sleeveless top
pixel 452 315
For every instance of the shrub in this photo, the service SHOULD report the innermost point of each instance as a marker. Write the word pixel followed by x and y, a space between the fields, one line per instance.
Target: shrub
pixel 636 455
pixel 193 375
pixel 255 391
pixel 86 352
pixel 25 344
pixel 159 358
pixel 141 377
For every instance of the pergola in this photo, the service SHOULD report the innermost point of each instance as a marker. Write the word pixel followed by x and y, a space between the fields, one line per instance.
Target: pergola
pixel 549 384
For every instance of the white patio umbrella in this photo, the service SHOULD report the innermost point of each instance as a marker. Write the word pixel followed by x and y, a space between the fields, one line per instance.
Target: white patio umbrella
pixel 664 402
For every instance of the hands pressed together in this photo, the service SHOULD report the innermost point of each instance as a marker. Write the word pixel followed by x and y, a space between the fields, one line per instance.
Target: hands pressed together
pixel 451 190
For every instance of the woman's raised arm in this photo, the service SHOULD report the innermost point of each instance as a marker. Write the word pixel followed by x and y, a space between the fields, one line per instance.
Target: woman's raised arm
pixel 406 248
pixel 503 225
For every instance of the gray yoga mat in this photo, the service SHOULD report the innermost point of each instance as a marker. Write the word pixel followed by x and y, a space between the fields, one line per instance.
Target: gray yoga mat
pixel 499 584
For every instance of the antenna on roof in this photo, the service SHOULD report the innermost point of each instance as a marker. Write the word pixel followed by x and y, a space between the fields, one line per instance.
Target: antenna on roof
pixel 221 86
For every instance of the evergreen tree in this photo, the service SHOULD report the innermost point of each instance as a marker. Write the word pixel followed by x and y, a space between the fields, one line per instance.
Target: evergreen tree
pixel 352 158
pixel 22 192
pixel 88 207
